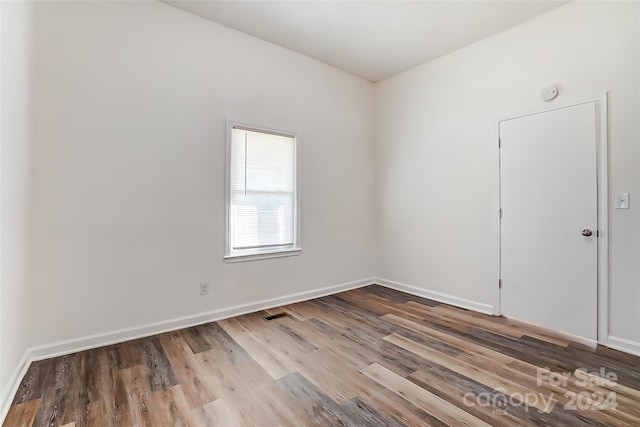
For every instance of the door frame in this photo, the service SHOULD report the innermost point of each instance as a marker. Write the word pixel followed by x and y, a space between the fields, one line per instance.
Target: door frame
pixel 602 162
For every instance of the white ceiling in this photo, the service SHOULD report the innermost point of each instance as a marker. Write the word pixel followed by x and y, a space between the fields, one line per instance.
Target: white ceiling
pixel 371 39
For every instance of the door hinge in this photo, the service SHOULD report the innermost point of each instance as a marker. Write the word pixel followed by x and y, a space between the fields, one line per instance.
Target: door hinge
pixel 500 212
pixel 597 233
pixel 499 283
pixel 499 143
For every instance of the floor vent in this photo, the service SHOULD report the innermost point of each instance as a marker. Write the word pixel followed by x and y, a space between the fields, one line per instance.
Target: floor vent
pixel 275 316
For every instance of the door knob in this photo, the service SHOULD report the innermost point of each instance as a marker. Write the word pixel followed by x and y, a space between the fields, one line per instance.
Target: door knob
pixel 586 232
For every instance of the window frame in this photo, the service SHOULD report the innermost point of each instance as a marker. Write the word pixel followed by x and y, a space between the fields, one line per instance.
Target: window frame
pixel 231 255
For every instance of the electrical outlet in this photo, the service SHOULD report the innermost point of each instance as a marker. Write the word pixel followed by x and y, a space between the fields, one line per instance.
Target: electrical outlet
pixel 204 288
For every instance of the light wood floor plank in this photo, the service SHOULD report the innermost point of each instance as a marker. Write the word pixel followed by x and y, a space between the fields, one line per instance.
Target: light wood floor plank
pixel 268 357
pixel 215 414
pixel 471 371
pixel 450 339
pixel 22 414
pixel 439 408
pixel 197 388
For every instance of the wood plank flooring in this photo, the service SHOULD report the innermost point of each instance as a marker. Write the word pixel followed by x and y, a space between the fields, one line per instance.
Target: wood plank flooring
pixel 367 357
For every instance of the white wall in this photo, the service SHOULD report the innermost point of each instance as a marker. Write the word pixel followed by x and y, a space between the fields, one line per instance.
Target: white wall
pixel 131 101
pixel 436 136
pixel 15 121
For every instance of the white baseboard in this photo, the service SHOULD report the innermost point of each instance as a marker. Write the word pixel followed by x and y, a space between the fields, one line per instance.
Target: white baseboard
pixel 107 338
pixel 623 344
pixel 12 385
pixel 437 296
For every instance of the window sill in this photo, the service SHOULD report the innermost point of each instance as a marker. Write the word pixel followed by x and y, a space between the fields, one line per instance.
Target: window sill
pixel 254 256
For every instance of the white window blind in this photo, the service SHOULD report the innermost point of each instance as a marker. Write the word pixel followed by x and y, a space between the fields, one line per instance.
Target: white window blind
pixel 262 195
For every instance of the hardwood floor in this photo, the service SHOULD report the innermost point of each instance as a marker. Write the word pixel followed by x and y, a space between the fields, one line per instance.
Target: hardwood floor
pixel 367 357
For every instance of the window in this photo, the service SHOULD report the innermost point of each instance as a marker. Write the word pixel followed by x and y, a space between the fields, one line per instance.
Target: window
pixel 262 197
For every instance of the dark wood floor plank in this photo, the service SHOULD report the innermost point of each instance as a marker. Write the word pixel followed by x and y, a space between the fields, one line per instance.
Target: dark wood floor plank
pixel 401 297
pixel 76 393
pixel 367 357
pixel 128 354
pixel 55 398
pixel 387 293
pixel 99 386
pixel 37 379
pixel 160 371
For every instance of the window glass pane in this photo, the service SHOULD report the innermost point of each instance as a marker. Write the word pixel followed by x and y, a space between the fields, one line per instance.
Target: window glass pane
pixel 262 205
pixel 262 219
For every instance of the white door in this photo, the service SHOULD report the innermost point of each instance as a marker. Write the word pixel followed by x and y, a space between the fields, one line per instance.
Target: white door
pixel 549 219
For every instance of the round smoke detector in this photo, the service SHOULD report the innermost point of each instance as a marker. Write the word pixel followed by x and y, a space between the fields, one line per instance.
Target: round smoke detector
pixel 549 93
